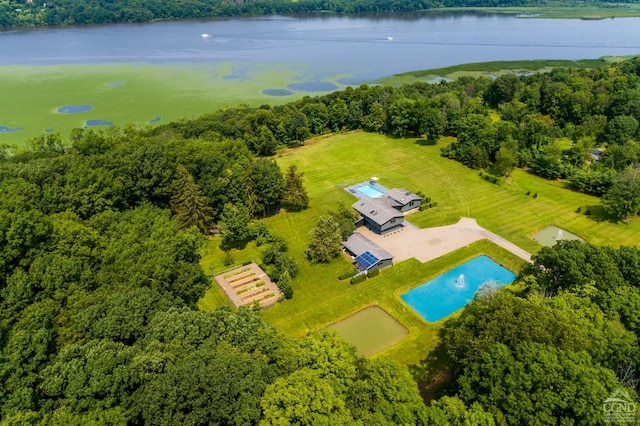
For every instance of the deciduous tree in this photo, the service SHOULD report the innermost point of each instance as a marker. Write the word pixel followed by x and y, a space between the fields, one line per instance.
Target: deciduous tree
pixel 304 398
pixel 451 411
pixel 506 158
pixel 234 224
pixel 620 129
pixel 622 200
pixel 503 89
pixel 376 119
pixel 535 383
pixel 268 184
pixel 325 242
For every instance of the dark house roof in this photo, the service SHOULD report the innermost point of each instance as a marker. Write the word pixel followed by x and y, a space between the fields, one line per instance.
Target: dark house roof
pixel 596 154
pixel 358 244
pixel 377 210
pixel 402 196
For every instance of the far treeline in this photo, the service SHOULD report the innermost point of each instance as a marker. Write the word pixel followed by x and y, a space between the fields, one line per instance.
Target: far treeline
pixel 24 13
pixel 581 125
pixel 100 273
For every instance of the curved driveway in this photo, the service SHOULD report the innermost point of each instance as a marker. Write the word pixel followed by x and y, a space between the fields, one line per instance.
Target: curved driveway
pixel 430 243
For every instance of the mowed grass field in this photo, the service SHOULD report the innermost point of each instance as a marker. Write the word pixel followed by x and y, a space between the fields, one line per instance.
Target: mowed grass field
pixel 330 163
pixel 31 95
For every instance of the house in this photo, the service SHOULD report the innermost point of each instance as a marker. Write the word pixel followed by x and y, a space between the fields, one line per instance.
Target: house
pixel 378 215
pixel 402 199
pixel 366 254
pixel 595 154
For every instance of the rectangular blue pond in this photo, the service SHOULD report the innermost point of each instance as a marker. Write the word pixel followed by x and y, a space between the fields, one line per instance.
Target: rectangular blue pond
pixel 452 290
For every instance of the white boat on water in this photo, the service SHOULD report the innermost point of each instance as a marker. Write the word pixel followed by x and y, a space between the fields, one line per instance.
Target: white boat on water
pixel 389 38
pixel 205 35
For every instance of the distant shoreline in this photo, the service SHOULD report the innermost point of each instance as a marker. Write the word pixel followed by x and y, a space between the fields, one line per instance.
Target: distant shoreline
pixel 497 68
pixel 619 10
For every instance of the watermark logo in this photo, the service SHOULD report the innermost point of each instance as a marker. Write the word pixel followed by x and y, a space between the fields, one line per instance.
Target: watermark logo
pixel 619 408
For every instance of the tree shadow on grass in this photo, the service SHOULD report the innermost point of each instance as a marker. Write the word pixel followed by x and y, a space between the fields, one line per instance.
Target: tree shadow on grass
pixel 239 245
pixel 598 213
pixel 425 142
pixel 434 375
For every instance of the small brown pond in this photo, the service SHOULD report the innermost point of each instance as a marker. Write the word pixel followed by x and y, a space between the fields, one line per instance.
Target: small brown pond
pixel 370 330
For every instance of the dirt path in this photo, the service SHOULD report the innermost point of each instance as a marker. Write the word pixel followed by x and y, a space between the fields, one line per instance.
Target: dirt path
pixel 430 243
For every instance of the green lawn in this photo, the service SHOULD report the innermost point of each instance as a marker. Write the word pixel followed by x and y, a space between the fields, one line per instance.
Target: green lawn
pixel 167 91
pixel 330 163
pixel 321 299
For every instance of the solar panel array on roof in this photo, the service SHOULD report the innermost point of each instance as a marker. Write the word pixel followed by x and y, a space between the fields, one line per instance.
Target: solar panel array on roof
pixel 367 260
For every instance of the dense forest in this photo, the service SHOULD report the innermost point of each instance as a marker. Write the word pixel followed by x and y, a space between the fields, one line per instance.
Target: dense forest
pixel 99 266
pixel 98 284
pixel 98 325
pixel 21 13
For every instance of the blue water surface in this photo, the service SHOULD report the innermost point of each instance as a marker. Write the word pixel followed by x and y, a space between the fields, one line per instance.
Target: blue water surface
pixel 452 290
pixel 277 92
pixel 90 123
pixel 313 86
pixel 74 109
pixel 5 129
pixel 370 191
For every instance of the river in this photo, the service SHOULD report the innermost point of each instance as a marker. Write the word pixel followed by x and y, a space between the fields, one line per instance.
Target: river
pixel 157 72
pixel 362 46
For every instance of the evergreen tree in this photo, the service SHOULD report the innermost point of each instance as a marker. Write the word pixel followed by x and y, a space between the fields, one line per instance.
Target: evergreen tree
pixel 295 196
pixel 250 199
pixel 189 204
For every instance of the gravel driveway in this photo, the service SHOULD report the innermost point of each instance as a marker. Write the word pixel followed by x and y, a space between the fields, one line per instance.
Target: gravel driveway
pixel 430 243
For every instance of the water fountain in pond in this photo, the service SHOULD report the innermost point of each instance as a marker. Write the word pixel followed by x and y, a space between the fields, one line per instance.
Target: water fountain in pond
pixel 452 290
pixel 550 236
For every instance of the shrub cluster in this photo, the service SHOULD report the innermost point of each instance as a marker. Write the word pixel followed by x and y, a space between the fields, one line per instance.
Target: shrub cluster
pixel 358 279
pixel 347 274
pixel 490 178
pixel 373 273
pixel 280 266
